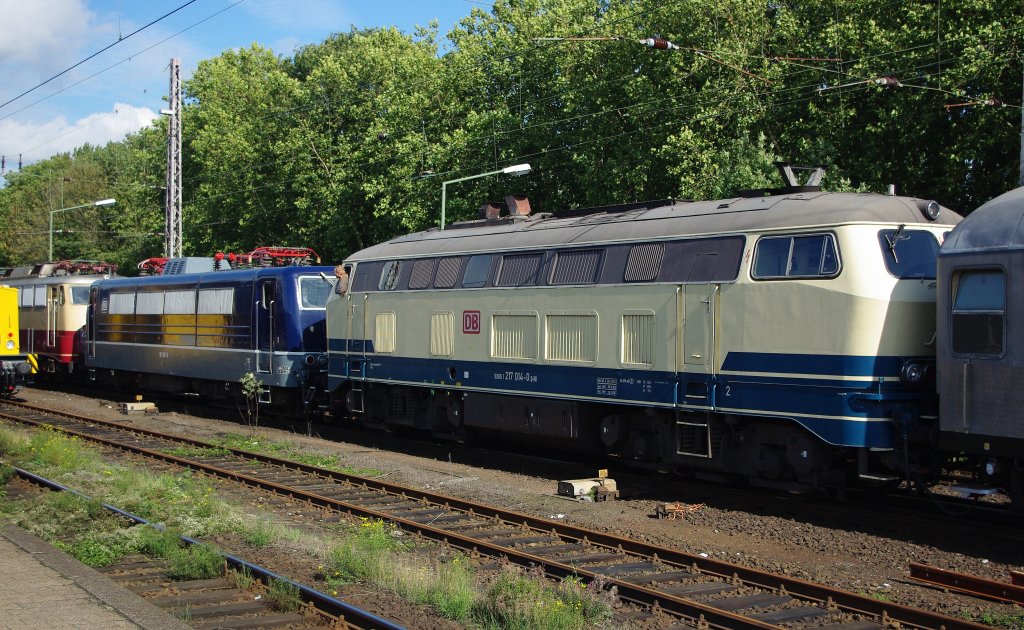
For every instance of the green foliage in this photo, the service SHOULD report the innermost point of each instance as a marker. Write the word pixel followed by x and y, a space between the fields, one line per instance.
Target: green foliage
pixel 514 601
pixel 12 443
pixel 319 148
pixel 259 535
pixel 195 562
pixel 283 596
pixel 60 453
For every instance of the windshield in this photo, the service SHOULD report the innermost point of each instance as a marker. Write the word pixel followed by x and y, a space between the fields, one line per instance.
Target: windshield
pixel 80 294
pixel 909 253
pixel 314 291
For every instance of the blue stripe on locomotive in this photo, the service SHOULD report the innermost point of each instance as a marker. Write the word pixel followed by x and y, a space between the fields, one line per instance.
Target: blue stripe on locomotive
pixel 840 411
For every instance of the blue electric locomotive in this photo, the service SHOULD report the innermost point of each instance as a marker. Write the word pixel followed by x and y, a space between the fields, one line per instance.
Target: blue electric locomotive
pixel 202 332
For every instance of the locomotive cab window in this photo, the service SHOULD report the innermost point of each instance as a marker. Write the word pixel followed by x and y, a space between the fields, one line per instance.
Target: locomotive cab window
pixel 909 253
pixel 79 294
pixel 979 308
pixel 810 256
pixel 314 291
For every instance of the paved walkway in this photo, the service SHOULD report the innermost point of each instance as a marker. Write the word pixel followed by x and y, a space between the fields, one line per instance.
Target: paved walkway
pixel 41 588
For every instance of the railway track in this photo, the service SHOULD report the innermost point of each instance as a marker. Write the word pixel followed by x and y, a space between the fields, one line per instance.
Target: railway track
pixel 653 583
pixel 235 599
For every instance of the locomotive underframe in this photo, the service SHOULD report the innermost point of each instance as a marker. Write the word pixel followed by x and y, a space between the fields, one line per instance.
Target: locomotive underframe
pixel 763 451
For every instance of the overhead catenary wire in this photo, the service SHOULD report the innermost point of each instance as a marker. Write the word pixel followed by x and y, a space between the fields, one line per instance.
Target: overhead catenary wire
pixel 98 52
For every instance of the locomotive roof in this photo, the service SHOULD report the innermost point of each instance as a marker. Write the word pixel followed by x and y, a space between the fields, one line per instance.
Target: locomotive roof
pixel 666 219
pixel 84 279
pixel 231 276
pixel 998 224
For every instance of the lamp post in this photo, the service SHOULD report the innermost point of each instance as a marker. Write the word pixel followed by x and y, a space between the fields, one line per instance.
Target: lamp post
pixel 518 169
pixel 101 202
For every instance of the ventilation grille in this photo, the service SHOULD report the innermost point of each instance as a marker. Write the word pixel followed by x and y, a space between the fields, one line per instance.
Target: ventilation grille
pixel 514 336
pixel 572 337
pixel 644 262
pixel 216 301
pixel 442 334
pixel 150 303
pixel 519 270
pixel 384 333
pixel 122 303
pixel 180 302
pixel 448 272
pixel 577 267
pixel 638 339
pixel 422 270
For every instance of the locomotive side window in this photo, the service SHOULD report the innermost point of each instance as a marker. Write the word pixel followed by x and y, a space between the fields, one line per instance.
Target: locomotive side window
pixel 644 262
pixel 389 275
pixel 979 307
pixel 811 256
pixel 909 253
pixel 422 273
pixel 577 267
pixel 314 291
pixel 477 270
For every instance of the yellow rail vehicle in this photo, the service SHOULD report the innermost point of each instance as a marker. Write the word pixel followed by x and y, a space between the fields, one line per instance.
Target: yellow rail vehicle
pixel 14 364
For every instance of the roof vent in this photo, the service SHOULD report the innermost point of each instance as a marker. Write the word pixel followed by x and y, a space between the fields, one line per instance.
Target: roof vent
pixel 490 211
pixel 518 205
pixel 194 264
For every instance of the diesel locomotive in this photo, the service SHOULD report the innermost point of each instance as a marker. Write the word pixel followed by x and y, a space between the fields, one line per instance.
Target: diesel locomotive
pixel 787 338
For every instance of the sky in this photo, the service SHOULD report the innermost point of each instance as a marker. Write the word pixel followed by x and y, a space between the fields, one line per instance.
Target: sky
pixel 123 88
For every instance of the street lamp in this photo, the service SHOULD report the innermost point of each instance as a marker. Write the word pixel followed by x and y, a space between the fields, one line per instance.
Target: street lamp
pixel 101 202
pixel 518 169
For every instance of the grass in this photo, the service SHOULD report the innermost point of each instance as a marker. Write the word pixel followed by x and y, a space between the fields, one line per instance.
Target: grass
pixel 243 578
pixel 260 535
pixel 1013 621
pixel 371 553
pixel 287 450
pixel 283 596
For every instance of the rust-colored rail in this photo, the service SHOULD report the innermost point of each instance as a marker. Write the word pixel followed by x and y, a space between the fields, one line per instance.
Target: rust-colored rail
pixel 1006 592
pixel 638 570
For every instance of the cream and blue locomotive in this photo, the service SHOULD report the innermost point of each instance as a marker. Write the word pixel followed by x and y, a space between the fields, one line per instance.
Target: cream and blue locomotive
pixel 787 339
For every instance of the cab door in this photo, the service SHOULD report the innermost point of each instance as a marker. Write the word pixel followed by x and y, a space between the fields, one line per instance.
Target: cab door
pixel 53 293
pixel 264 324
pixel 698 318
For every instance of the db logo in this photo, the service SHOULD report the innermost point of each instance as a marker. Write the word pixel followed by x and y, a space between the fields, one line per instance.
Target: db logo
pixel 471 322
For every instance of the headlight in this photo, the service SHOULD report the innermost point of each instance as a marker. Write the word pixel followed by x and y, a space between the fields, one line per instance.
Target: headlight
pixel 912 372
pixel 930 209
pixel 10 344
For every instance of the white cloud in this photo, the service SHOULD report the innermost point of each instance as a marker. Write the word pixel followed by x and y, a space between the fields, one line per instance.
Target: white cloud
pixel 37 141
pixel 43 33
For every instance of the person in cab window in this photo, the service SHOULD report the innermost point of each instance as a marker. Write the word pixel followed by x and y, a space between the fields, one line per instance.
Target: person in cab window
pixel 341 272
